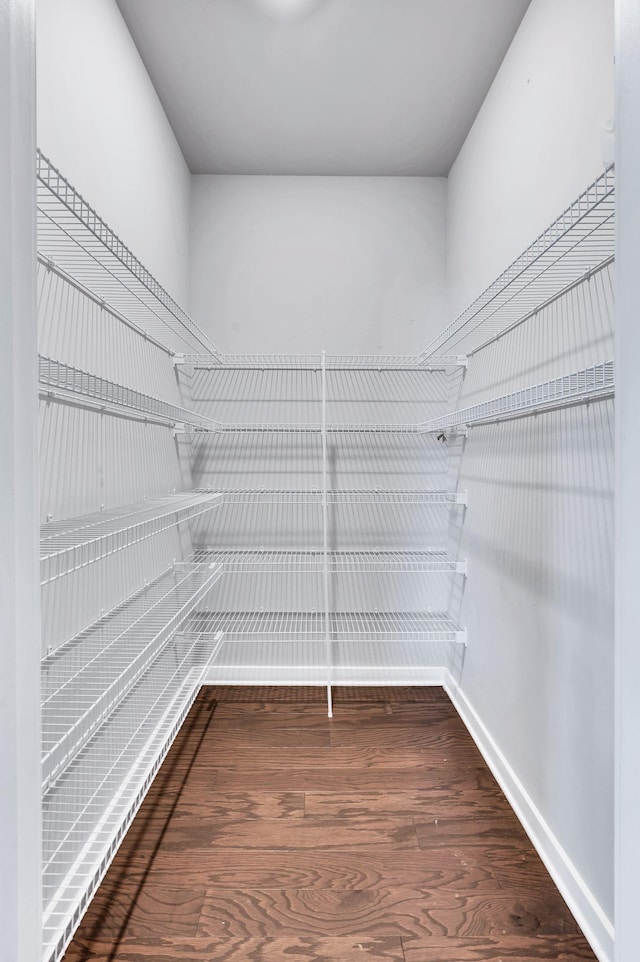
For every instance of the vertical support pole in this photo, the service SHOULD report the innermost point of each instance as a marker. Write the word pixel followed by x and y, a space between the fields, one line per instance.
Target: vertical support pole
pixel 325 534
pixel 20 772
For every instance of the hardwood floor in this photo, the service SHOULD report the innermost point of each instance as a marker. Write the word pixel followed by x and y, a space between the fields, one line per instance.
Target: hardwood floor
pixel 274 833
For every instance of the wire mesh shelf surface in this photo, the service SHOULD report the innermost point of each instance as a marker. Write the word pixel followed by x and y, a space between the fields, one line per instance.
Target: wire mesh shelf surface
pixel 313 561
pixel 353 663
pixel 250 626
pixel 87 811
pixel 590 383
pixel 74 543
pixel 84 680
pixel 292 427
pixel 579 242
pixel 337 497
pixel 313 362
pixel 62 380
pixel 73 235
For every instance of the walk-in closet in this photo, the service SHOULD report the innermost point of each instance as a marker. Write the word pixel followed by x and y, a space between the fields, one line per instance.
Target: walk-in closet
pixel 323 350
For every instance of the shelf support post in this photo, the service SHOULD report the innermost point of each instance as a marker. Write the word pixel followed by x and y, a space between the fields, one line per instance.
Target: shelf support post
pixel 325 534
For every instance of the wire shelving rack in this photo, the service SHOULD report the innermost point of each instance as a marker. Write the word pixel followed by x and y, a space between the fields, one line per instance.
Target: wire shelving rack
pixel 63 382
pixel 313 362
pixel 588 384
pixel 113 699
pixel 116 694
pixel 73 237
pixel 580 242
pixel 291 626
pixel 254 561
pixel 337 496
pixel 84 680
pixel 87 811
pixel 75 543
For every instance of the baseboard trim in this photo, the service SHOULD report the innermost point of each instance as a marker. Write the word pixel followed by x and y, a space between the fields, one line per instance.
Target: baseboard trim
pixel 597 927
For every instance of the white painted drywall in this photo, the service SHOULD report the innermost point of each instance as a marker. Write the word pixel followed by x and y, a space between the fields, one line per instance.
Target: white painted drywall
pixel 346 264
pixel 538 533
pixel 346 87
pixel 20 774
pixel 101 123
pixel 627 481
pixel 538 140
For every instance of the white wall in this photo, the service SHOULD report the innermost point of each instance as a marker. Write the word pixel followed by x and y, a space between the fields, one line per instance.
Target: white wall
pixel 20 772
pixel 627 481
pixel 345 264
pixel 538 676
pixel 538 140
pixel 101 123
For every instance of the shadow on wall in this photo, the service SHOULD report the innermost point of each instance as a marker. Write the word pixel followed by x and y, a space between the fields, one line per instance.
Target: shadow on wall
pixel 90 460
pixel 538 605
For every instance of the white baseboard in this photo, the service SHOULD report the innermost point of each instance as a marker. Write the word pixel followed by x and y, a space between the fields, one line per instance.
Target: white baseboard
pixel 597 927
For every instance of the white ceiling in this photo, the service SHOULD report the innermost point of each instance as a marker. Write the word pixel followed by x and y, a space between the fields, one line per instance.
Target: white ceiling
pixel 322 86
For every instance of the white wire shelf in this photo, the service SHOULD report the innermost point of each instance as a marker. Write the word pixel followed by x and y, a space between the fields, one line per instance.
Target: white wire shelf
pixel 87 812
pixel 374 626
pixel 588 384
pixel 313 362
pixel 337 497
pixel 84 680
pixel 291 427
pixel 54 268
pixel 580 242
pixel 67 383
pixel 75 543
pixel 72 236
pixel 251 561
pixel 374 496
pixel 352 663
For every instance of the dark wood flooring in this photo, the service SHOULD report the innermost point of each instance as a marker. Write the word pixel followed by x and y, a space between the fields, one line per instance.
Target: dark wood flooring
pixel 273 833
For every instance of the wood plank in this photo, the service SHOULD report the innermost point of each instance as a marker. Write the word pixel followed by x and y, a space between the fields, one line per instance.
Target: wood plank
pixel 534 948
pixel 250 717
pixel 349 758
pixel 398 912
pixel 435 735
pixel 467 871
pixel 394 695
pixel 251 741
pixel 516 869
pixel 190 835
pixel 238 806
pixel 142 909
pixel 240 950
pixel 423 804
pixel 265 694
pixel 491 832
pixel 271 832
pixel 323 777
